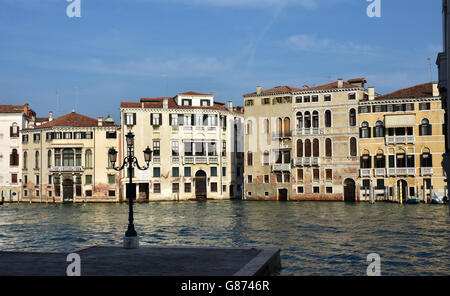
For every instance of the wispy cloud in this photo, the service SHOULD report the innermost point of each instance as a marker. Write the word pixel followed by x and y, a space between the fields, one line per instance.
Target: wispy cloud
pixel 312 43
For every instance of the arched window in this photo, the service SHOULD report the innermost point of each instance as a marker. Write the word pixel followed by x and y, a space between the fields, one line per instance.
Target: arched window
pixel 366 160
pixel 353 147
pixel 328 148
pixel 249 127
pixel 401 158
pixel 425 128
pixel 299 120
pixel 279 127
pixel 68 157
pixel 49 158
pixel 379 129
pixel 299 148
pixel 249 158
pixel 307 119
pixel 14 130
pixel 315 148
pixel 88 159
pixel 266 126
pixel 328 118
pixel 426 159
pixel 287 127
pixel 36 160
pixel 307 148
pixel 266 157
pixel 14 158
pixel 380 160
pixel 25 160
pixel 315 119
pixel 364 131
pixel 352 117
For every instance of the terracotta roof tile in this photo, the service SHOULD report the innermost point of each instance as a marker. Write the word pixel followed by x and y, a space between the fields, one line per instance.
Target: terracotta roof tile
pixel 73 120
pixel 157 103
pixel 193 93
pixel 332 85
pixel 11 108
pixel 276 90
pixel 417 91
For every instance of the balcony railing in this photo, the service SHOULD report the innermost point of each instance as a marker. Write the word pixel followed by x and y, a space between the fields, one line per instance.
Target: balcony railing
pixel 66 169
pixel 308 131
pixel 285 135
pixel 175 159
pixel 380 172
pixel 200 159
pixel 426 171
pixel 306 161
pixel 277 167
pixel 156 159
pixel 365 172
pixel 400 140
pixel 401 171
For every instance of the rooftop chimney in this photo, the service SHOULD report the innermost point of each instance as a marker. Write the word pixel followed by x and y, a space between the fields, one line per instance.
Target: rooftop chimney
pixel 340 83
pixel 25 109
pixel 305 86
pixel 230 105
pixel 50 116
pixel 258 90
pixel 100 121
pixel 371 93
pixel 435 89
pixel 165 103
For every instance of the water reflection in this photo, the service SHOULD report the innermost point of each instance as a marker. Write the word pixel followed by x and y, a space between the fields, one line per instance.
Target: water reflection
pixel 315 238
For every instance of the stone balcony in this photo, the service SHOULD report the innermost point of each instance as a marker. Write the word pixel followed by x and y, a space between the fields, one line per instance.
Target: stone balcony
pixel 365 172
pixel 426 171
pixel 281 167
pixel 401 171
pixel 308 131
pixel 392 140
pixel 380 172
pixel 66 169
pixel 200 159
pixel 306 161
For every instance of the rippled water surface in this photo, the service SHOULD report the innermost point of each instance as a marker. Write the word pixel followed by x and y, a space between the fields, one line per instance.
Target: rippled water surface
pixel 314 238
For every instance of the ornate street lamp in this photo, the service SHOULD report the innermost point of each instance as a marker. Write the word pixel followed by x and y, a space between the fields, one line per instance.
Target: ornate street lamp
pixel 131 239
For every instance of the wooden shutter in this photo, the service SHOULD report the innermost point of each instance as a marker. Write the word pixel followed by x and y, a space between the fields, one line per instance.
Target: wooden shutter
pixel 151 119
pixel 134 118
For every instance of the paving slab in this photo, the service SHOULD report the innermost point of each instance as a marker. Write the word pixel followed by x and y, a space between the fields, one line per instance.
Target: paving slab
pixel 146 261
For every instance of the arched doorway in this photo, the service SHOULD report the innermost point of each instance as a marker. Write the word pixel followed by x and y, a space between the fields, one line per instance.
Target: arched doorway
pixel 349 190
pixel 67 189
pixel 402 190
pixel 200 185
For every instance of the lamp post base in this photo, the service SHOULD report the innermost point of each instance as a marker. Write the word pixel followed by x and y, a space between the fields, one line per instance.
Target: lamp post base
pixel 130 242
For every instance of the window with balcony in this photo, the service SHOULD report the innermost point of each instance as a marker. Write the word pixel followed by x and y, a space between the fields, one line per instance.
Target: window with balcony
pixel 400 159
pixel 307 148
pixel 68 157
pixel 425 128
pixel 156 148
pixel 299 116
pixel 175 148
pixel 188 148
pixel 316 148
pixel 315 119
pixel 67 136
pixel 426 159
pixel 366 160
pixel 380 160
pixel 212 148
pixel 200 149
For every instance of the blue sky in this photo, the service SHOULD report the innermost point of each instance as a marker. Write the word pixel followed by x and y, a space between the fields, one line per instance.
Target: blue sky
pixel 122 50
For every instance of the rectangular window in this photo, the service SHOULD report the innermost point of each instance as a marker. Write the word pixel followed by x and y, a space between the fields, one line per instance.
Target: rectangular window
pixel 156 119
pixel 306 99
pixel 298 99
pixel 266 179
pixel 315 98
pixel 352 96
pixel 88 192
pixel 187 187
pixel 175 187
pixel 316 175
pixel 175 148
pixel 205 103
pixel 300 175
pixel 380 184
pixel 316 189
pixel 249 179
pixel 111 193
pixel 329 190
pixel 279 178
pixel 130 118
pixel 286 177
pixel 300 189
pixel 265 101
pixel 157 188
pixel 111 179
pixel 25 193
pixel 14 178
pixel 37 192
pixel 156 148
pixel 213 171
pixel 111 135
pixel 366 184
pixel 36 138
pixel 37 179
pixel 88 180
pixel 67 136
pixel 327 98
pixel 213 187
pixel 329 175
pixel 175 172
pixel 187 172
pixel 25 180
pixel 50 178
pixel 224 171
pixel 424 106
pixel 156 172
pixel 188 151
pixel 187 102
pixel 224 188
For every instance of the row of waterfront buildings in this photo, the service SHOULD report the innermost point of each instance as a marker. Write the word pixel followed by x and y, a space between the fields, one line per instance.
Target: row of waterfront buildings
pixel 339 141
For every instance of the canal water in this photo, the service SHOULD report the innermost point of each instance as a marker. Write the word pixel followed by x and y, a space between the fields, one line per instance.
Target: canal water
pixel 315 238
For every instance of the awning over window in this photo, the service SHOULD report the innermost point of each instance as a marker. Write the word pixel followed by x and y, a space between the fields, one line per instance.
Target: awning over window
pixel 392 121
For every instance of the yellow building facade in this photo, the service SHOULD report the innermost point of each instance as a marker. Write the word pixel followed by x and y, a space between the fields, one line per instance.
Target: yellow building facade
pixel 401 143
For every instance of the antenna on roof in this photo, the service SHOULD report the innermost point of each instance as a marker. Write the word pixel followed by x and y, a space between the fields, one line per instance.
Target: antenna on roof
pixel 76 97
pixel 431 71
pixel 57 104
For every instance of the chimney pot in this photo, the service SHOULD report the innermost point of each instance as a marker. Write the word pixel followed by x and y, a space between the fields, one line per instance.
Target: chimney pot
pixel 258 90
pixel 165 103
pixel 340 83
pixel 100 121
pixel 435 89
pixel 230 105
pixel 371 90
pixel 50 116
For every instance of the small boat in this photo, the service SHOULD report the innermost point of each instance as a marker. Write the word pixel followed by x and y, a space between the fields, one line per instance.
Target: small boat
pixel 438 199
pixel 412 201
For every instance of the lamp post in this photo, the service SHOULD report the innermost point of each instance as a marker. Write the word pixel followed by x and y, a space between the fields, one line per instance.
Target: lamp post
pixel 131 239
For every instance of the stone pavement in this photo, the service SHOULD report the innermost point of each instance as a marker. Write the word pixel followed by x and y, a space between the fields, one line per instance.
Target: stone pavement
pixel 146 261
